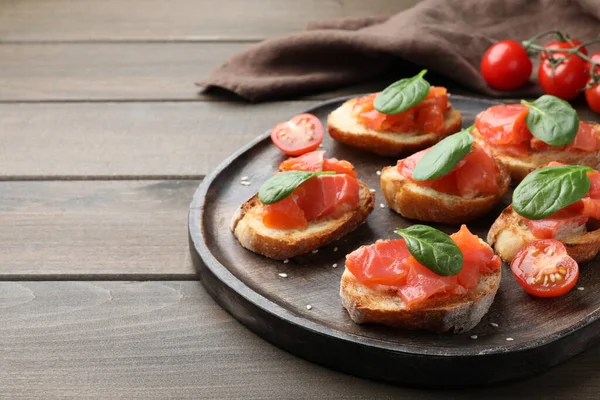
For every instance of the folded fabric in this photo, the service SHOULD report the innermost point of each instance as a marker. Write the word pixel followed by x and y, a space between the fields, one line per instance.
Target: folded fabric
pixel 448 37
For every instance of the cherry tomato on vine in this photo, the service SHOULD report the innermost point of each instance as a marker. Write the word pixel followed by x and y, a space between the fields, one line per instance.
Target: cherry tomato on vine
pixel 596 58
pixel 592 96
pixel 568 78
pixel 561 45
pixel 299 135
pixel 506 65
pixel 544 269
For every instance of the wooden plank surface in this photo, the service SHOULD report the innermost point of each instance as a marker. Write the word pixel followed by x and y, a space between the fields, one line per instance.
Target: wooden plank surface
pixel 71 20
pixel 34 72
pixel 170 340
pixel 116 140
pixel 95 230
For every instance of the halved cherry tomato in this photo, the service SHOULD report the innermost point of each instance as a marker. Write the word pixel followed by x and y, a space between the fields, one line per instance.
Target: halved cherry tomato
pixel 506 65
pixel 299 135
pixel 544 269
pixel 569 44
pixel 566 80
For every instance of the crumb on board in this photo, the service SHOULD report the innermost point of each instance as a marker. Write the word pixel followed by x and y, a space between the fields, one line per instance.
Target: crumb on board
pixel 372 190
pixel 245 178
pixel 283 274
pixel 334 265
pixel 378 172
pixel 495 325
pixel 474 336
pixel 308 307
pixel 510 339
pixel 335 249
pixel 580 288
pixel 286 261
pixel 245 183
pixel 382 205
pixel 315 251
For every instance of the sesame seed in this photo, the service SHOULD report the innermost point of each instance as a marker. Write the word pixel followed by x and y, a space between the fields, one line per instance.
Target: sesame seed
pixel 335 249
pixel 495 325
pixel 245 183
pixel 372 190
pixel 382 205
pixel 308 307
pixel 315 251
pixel 509 339
pixel 334 266
pixel 473 336
pixel 244 178
pixel 286 261
pixel 580 288
pixel 378 172
pixel 283 275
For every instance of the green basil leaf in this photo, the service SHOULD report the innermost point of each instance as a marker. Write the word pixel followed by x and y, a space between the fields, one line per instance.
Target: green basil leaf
pixel 281 185
pixel 402 95
pixel 552 120
pixel 433 249
pixel 443 157
pixel 547 190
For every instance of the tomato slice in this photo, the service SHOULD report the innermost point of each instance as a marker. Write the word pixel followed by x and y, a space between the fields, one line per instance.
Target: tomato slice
pixel 299 135
pixel 544 269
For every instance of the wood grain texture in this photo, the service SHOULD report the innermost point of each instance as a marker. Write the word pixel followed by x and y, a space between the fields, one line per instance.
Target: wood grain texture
pixel 130 340
pixel 67 20
pixel 95 230
pixel 116 140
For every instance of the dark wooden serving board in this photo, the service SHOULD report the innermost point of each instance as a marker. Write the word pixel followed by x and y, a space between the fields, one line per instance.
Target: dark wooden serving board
pixel 532 334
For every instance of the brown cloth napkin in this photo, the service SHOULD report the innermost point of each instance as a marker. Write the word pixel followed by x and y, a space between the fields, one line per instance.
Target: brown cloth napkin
pixel 448 37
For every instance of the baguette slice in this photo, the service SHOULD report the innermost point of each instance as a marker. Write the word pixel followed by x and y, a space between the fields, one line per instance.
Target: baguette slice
pixel 439 313
pixel 248 228
pixel 425 204
pixel 509 234
pixel 342 126
pixel 521 166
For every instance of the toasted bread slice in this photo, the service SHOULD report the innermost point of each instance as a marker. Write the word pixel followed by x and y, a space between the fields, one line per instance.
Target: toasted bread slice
pixel 248 228
pixel 439 313
pixel 509 234
pixel 342 126
pixel 425 204
pixel 521 166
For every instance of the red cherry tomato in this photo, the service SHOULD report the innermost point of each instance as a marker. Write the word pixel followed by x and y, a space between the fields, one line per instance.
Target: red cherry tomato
pixel 596 58
pixel 568 78
pixel 561 45
pixel 592 96
pixel 506 65
pixel 299 135
pixel 544 268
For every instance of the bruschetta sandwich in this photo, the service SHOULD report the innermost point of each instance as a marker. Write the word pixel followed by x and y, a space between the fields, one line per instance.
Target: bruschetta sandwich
pixel 558 201
pixel 528 135
pixel 407 116
pixel 426 280
pixel 312 201
pixel 455 181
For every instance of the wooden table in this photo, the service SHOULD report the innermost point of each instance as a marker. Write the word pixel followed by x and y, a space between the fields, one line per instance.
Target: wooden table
pixel 103 140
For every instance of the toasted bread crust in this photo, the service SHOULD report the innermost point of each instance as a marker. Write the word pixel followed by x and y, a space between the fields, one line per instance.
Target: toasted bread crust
pixel 343 127
pixel 509 234
pixel 425 204
pixel 521 166
pixel 438 314
pixel 247 227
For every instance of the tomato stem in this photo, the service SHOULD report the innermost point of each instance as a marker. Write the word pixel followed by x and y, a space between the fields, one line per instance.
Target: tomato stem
pixel 558 34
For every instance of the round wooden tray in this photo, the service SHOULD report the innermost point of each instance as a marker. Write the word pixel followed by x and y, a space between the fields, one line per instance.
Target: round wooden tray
pixel 302 312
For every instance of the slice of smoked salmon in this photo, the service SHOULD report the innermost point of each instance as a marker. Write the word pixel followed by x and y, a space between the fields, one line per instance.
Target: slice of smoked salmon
pixel 504 124
pixel 568 219
pixel 312 161
pixel 477 175
pixel 284 214
pixel 594 191
pixel 586 139
pixel 422 283
pixel 324 195
pixel 339 166
pixel 380 263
